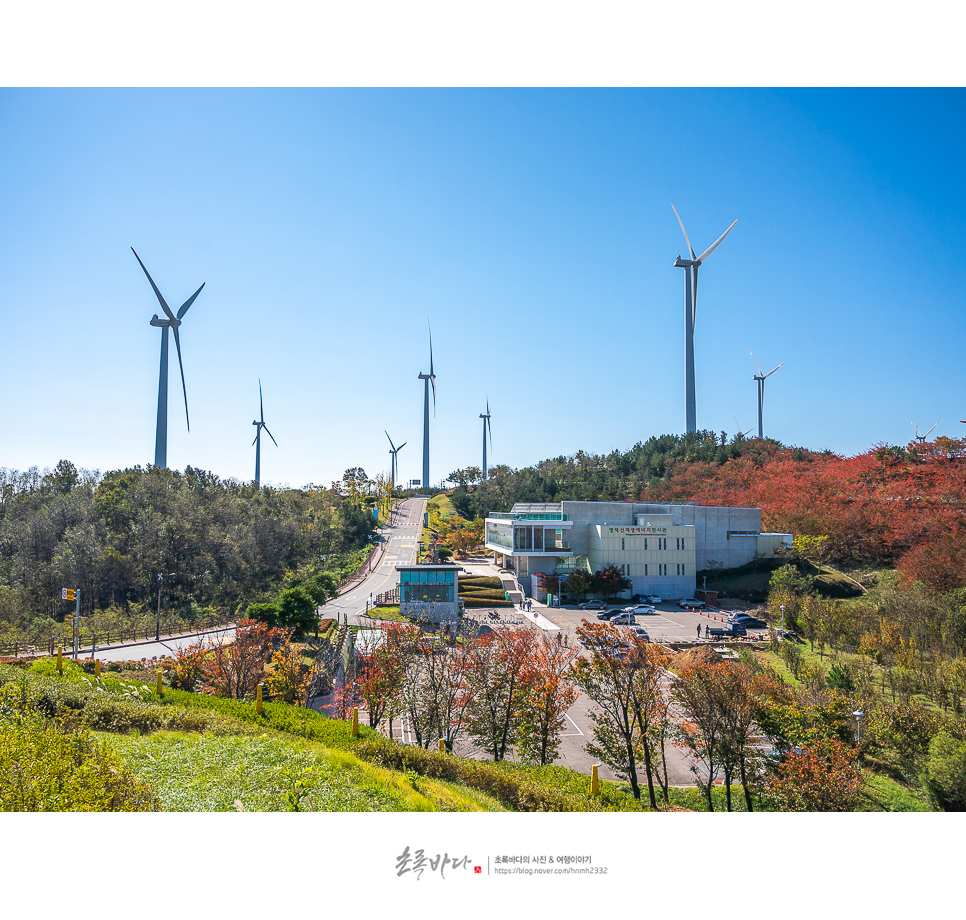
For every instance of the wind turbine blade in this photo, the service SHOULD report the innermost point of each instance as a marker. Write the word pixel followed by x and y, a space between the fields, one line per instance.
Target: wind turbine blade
pixel 432 381
pixel 704 255
pixel 694 296
pixel 685 232
pixel 261 405
pixel 164 306
pixel 270 435
pixel 756 363
pixel 189 302
pixel 930 430
pixel 489 430
pixel 257 433
pixel 177 341
pixel 773 370
pixel 914 425
pixel 393 446
pixel 401 446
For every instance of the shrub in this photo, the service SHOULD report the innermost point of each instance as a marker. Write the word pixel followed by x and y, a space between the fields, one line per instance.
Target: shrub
pixel 46 766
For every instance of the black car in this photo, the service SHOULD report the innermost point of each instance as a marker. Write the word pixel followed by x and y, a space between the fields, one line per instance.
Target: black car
pixel 609 614
pixel 748 622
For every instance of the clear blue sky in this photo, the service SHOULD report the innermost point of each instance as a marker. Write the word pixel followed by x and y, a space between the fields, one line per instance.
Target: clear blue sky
pixel 532 228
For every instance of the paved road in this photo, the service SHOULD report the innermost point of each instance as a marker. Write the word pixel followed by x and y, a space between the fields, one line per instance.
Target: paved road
pixel 400 540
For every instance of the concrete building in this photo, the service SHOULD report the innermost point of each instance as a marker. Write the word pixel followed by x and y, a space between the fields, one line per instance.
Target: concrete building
pixel 659 546
pixel 429 592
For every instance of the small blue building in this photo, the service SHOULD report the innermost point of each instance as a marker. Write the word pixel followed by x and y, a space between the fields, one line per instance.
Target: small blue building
pixel 429 592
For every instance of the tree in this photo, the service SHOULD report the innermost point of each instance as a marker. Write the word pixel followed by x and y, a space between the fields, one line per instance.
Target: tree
pixel 290 675
pixel 496 663
pixel 547 695
pixel 650 706
pixel 823 775
pixel 236 668
pixel 610 684
pixel 944 774
pixel 579 583
pixel 699 692
pixel 610 582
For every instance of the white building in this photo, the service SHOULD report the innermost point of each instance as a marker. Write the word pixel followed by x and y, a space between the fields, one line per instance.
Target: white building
pixel 659 546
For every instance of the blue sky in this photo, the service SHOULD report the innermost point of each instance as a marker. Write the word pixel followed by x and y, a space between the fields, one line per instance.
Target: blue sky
pixel 533 228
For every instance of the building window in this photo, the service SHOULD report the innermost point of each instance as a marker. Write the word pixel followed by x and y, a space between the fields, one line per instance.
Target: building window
pixel 645 568
pixel 622 544
pixel 662 568
pixel 645 544
pixel 680 569
pixel 662 542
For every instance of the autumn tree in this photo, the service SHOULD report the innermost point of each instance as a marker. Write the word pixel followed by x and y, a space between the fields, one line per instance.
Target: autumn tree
pixel 290 675
pixel 699 692
pixel 822 775
pixel 649 702
pixel 610 582
pixel 547 695
pixel 496 663
pixel 603 676
pixel 446 694
pixel 580 583
pixel 235 668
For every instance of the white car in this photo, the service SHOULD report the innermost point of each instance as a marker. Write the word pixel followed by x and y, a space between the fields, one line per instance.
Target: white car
pixel 640 608
pixel 640 632
pixel 653 598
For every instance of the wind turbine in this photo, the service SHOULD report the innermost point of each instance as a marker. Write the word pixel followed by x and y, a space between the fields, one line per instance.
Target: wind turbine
pixel 259 425
pixel 394 450
pixel 486 428
pixel 429 378
pixel 760 378
pixel 740 432
pixel 920 437
pixel 691 291
pixel 172 322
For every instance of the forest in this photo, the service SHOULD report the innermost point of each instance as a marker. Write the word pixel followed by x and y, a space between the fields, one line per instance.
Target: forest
pixel 220 544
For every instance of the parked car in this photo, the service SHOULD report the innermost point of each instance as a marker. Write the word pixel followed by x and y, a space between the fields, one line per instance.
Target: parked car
pixel 624 618
pixel 747 621
pixel 687 603
pixel 640 632
pixel 652 598
pixel 609 614
pixel 592 605
pixel 640 608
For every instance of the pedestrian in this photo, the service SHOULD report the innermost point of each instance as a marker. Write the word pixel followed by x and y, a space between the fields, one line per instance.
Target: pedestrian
pixel 699 630
pixel 706 633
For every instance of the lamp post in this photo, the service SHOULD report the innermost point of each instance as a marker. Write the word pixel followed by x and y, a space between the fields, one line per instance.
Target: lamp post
pixel 157 627
pixel 783 620
pixel 859 715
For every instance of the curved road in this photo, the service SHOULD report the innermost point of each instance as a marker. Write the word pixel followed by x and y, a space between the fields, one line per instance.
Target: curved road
pixel 400 540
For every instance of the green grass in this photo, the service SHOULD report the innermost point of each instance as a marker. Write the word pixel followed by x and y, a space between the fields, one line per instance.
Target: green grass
pixel 191 772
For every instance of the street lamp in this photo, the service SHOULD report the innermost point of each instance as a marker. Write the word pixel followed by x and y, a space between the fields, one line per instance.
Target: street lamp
pixel 783 620
pixel 157 627
pixel 859 715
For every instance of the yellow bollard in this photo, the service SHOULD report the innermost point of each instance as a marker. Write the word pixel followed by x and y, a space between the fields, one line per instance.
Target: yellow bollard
pixel 442 746
pixel 258 700
pixel 60 660
pixel 594 782
pixel 97 667
pixel 160 672
pixel 355 721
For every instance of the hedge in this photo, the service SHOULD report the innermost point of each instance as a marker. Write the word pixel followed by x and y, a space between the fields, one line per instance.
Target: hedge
pixel 512 788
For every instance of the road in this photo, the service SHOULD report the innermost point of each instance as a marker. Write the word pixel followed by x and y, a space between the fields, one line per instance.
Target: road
pixel 399 540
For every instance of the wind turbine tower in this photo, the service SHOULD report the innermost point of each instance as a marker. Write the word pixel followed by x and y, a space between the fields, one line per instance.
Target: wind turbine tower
pixel 259 425
pixel 172 322
pixel 920 437
pixel 393 465
pixel 427 379
pixel 691 295
pixel 760 379
pixel 486 430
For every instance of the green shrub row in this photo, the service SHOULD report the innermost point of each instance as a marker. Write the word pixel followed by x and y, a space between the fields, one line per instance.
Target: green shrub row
pixel 481 581
pixel 473 602
pixel 514 788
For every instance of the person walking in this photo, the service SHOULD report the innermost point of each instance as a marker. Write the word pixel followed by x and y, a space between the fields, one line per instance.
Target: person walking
pixel 699 630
